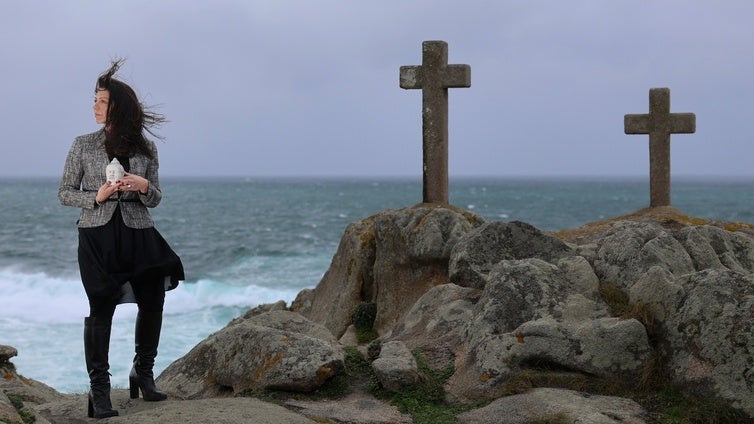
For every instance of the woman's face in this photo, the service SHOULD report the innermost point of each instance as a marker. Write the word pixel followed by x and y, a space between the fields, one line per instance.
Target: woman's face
pixel 101 100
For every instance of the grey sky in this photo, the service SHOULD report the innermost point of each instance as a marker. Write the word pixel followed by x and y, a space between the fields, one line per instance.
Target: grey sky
pixel 291 88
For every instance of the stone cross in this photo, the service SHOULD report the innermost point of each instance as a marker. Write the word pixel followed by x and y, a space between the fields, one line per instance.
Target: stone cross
pixel 434 77
pixel 659 123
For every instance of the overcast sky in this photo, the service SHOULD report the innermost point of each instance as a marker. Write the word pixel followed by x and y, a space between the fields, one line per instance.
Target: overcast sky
pixel 311 88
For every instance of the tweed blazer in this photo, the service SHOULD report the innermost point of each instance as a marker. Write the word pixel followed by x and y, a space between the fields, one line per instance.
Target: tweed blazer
pixel 84 173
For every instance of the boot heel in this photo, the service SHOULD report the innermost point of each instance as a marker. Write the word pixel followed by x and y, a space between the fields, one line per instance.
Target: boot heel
pixel 133 386
pixel 90 407
pixel 146 338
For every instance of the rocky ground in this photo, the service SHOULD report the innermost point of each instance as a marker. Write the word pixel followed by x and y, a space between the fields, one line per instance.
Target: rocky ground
pixel 617 321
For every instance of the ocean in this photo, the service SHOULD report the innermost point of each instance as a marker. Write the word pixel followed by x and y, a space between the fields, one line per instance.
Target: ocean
pixel 250 241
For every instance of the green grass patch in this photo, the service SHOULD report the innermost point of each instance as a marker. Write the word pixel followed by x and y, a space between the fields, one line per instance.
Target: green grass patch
pixel 560 418
pixel 357 372
pixel 18 405
pixel 615 298
pixel 425 401
pixel 671 406
pixel 363 320
pixel 366 335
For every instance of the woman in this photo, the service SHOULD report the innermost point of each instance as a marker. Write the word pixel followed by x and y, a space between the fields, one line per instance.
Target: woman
pixel 122 257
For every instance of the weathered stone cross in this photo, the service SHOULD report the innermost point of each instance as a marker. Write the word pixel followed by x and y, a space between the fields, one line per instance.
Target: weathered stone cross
pixel 434 77
pixel 659 124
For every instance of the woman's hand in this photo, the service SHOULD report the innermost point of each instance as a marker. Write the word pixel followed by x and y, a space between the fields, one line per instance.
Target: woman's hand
pixel 106 190
pixel 133 182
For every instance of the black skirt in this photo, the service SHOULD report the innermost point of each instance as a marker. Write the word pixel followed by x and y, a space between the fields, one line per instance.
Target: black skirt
pixel 113 256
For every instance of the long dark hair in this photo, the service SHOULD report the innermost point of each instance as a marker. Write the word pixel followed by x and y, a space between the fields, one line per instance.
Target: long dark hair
pixel 127 118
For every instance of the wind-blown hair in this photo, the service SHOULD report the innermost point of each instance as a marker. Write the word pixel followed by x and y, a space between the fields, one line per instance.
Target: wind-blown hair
pixel 127 118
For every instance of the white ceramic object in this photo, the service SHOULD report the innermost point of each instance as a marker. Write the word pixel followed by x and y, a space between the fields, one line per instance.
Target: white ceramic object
pixel 114 171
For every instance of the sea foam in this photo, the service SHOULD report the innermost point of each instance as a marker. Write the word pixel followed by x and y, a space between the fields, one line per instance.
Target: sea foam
pixel 42 317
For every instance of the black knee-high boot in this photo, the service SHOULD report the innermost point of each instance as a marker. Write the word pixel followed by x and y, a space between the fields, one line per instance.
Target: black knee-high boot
pixel 96 352
pixel 147 338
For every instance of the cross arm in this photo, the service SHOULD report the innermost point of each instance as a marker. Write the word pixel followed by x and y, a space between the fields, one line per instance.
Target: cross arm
pixel 683 123
pixel 411 77
pixel 636 124
pixel 678 123
pixel 457 76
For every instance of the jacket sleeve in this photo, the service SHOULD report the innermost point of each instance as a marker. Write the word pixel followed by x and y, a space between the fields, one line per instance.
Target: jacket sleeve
pixel 154 195
pixel 69 192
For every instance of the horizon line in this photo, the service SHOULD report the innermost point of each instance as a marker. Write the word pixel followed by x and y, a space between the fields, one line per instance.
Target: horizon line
pixel 418 177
